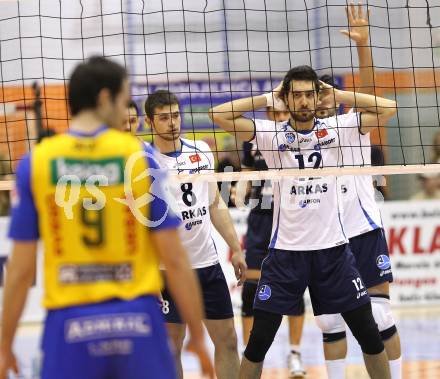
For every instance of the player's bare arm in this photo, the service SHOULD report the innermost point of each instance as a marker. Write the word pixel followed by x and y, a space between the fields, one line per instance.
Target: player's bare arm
pixel 187 297
pixel 20 275
pixel 359 32
pixel 376 111
pixel 221 219
pixel 242 190
pixel 229 116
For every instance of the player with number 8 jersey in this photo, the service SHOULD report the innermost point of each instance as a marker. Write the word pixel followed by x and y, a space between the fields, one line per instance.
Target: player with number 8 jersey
pixel 200 207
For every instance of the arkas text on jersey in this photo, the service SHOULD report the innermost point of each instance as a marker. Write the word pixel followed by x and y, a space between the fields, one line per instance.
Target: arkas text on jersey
pixel 309 189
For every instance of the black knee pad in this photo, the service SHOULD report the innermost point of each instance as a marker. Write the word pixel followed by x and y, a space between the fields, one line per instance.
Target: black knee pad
pixel 388 333
pixel 364 328
pixel 247 298
pixel 262 334
pixel 333 337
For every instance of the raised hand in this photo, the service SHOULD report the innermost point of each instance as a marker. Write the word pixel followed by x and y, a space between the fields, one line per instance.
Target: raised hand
pixel 358 24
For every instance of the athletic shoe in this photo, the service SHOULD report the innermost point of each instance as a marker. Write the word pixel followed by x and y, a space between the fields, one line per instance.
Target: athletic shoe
pixel 296 369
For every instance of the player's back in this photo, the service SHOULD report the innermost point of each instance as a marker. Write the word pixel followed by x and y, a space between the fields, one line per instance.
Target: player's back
pixel 94 247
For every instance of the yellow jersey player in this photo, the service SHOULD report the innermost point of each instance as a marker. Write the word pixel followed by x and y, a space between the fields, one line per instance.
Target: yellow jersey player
pixel 84 194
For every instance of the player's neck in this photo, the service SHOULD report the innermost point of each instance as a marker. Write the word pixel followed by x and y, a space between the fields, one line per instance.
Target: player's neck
pixel 86 121
pixel 302 126
pixel 166 146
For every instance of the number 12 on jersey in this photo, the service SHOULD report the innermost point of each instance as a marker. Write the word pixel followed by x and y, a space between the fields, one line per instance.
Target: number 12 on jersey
pixel 314 157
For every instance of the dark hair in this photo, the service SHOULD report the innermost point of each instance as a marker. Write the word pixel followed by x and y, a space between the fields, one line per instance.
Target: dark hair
pixel 132 104
pixel 89 78
pixel 160 98
pixel 299 73
pixel 328 79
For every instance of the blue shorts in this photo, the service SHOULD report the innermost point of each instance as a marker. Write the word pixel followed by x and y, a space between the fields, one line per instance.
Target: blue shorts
pixel 114 339
pixel 334 283
pixel 215 295
pixel 372 257
pixel 258 238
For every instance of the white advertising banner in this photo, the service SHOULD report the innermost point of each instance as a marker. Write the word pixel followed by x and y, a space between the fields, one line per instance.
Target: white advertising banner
pixel 413 233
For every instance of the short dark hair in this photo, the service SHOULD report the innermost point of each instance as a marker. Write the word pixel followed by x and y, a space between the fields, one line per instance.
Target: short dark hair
pixel 133 104
pixel 89 78
pixel 328 79
pixel 299 73
pixel 160 98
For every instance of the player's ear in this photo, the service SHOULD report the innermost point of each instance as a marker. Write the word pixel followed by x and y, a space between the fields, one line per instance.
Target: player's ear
pixel 104 97
pixel 147 122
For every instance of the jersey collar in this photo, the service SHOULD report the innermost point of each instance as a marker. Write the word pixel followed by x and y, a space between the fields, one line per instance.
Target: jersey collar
pixel 304 132
pixel 94 133
pixel 173 154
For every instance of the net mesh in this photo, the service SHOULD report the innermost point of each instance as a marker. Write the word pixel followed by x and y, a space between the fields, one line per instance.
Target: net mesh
pixel 210 52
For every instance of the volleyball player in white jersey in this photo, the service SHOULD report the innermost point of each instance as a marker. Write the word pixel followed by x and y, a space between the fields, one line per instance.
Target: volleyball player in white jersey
pixel 200 206
pixel 362 223
pixel 308 246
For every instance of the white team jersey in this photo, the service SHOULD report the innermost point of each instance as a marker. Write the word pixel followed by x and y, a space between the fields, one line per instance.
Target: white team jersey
pixel 306 210
pixel 193 200
pixel 361 213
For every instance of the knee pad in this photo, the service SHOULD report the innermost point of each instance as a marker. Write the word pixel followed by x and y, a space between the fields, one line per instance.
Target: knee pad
pixel 247 298
pixel 364 328
pixel 381 308
pixel 262 334
pixel 332 327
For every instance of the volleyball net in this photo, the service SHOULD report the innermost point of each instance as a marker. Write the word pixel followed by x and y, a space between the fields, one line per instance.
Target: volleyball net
pixel 211 52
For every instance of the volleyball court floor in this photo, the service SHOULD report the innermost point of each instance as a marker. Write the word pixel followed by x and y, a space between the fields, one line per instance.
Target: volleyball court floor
pixel 419 332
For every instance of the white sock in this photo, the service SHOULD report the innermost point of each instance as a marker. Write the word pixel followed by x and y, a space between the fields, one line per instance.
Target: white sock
pixel 295 348
pixel 336 369
pixel 396 368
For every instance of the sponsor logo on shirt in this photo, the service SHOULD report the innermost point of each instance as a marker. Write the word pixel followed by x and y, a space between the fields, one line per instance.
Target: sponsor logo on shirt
pixel 321 133
pixel 304 140
pixel 290 137
pixel 93 273
pixel 309 189
pixel 195 158
pixel 192 213
pixel 305 202
pixel 286 147
pixel 198 169
pixel 112 169
pixel 189 225
pixel 327 142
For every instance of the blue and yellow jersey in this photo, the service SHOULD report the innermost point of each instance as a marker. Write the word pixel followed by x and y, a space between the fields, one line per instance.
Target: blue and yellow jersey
pixel 94 199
